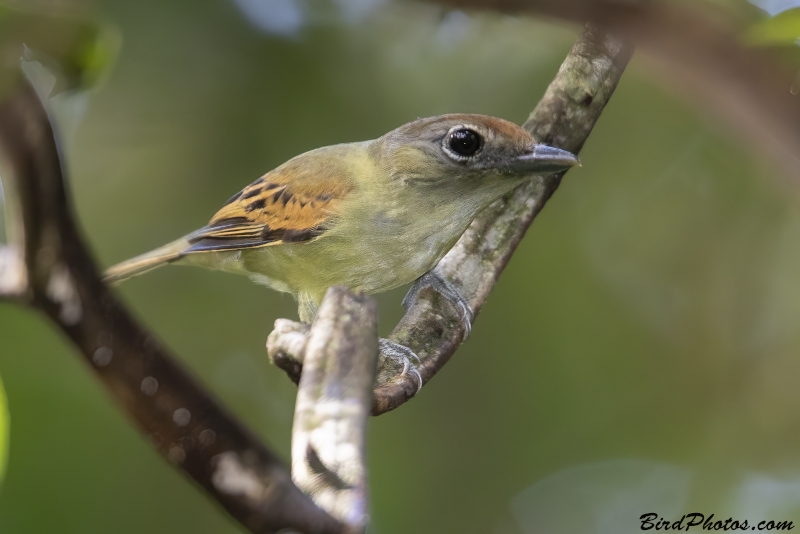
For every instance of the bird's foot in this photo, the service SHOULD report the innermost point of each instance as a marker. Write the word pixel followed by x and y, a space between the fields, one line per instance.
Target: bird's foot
pixel 449 291
pixel 402 355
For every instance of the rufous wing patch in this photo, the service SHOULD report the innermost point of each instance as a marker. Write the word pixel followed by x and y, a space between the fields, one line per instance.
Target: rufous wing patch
pixel 287 205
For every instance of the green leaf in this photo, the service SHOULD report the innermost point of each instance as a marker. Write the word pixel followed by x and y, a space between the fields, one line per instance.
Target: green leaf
pixel 782 29
pixel 92 53
pixel 78 51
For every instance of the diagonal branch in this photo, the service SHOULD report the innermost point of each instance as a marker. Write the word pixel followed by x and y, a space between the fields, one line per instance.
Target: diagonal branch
pixel 188 426
pixel 564 118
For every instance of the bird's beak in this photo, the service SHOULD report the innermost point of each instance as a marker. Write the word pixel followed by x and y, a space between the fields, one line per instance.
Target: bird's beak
pixel 545 160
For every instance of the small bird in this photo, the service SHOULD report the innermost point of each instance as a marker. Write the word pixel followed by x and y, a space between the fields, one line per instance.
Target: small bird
pixel 371 216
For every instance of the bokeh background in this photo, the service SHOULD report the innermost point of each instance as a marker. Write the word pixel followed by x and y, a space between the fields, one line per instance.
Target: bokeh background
pixel 639 354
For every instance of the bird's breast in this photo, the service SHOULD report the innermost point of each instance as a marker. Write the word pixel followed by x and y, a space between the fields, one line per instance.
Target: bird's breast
pixel 398 246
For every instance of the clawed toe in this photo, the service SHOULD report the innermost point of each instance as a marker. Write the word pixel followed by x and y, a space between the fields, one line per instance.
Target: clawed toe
pixel 449 291
pixel 419 378
pixel 401 354
pixel 467 316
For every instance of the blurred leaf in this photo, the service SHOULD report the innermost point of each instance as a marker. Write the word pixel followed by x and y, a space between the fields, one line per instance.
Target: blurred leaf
pixel 78 51
pixel 91 55
pixel 782 29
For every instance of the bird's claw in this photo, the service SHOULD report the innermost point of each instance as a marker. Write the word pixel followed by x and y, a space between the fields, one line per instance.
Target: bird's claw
pixel 401 354
pixel 449 291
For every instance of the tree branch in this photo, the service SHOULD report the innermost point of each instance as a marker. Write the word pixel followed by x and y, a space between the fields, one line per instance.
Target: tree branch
pixel 564 118
pixel 333 406
pixel 187 425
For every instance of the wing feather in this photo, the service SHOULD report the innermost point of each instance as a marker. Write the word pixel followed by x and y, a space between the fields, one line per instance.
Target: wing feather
pixel 294 203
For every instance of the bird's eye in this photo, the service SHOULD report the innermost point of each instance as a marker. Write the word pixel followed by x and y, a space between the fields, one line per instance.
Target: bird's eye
pixel 464 142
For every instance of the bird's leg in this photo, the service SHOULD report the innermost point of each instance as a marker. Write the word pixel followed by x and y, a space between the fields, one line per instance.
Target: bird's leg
pixel 399 354
pixel 449 291
pixel 402 355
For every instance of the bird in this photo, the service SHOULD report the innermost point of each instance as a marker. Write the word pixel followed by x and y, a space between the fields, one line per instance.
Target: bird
pixel 371 215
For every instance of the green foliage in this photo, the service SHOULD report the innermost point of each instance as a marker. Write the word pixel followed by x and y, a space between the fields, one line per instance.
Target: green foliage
pixel 782 29
pixel 91 55
pixel 78 51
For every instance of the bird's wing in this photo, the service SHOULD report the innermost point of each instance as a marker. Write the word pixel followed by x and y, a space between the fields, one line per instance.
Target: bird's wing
pixel 292 204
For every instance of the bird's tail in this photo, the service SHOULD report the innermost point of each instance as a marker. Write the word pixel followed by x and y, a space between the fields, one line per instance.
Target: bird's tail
pixel 147 261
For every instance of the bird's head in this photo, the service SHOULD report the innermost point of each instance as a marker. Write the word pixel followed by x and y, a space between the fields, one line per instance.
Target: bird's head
pixel 465 151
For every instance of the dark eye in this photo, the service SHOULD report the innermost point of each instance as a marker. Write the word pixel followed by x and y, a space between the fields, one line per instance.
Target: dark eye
pixel 464 142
